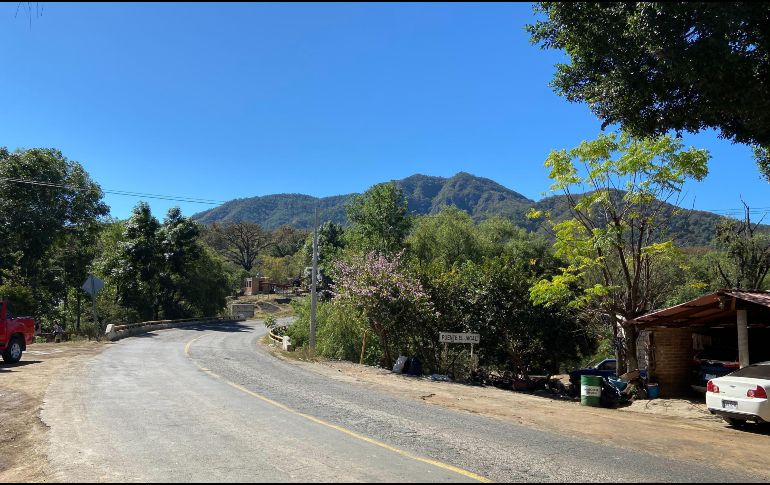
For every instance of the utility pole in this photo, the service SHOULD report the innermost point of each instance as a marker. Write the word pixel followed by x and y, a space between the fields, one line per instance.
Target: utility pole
pixel 314 282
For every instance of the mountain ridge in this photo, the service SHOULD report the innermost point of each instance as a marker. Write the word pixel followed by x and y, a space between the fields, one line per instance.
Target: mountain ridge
pixel 427 194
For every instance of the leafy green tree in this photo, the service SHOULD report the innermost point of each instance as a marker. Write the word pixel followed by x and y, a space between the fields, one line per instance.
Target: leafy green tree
pixel 492 299
pixel 615 245
pixel 446 238
pixel 378 219
pixel 660 66
pixel 331 246
pixel 163 269
pixel 136 270
pixel 694 272
pixel 178 243
pixel 204 287
pixel 50 211
pixel 287 241
pixel 748 252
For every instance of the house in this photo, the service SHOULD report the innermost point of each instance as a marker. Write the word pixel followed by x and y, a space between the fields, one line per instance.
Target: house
pixel 261 285
pixel 730 322
pixel 258 285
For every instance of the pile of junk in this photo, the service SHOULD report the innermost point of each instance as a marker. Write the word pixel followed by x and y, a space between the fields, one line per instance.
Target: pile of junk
pixel 626 388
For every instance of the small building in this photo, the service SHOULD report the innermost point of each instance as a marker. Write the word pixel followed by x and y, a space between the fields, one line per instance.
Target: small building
pixel 258 285
pixel 730 322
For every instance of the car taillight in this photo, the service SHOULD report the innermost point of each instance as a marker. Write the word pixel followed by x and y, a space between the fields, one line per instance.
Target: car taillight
pixel 732 365
pixel 758 393
pixel 711 387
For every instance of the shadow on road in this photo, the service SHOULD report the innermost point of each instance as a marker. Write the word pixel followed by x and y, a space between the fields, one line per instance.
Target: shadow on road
pixel 228 327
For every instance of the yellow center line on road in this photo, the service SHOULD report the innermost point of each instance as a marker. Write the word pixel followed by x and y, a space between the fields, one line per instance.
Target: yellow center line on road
pixel 346 431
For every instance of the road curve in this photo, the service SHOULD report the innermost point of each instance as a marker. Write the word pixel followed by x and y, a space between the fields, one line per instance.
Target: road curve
pixel 209 404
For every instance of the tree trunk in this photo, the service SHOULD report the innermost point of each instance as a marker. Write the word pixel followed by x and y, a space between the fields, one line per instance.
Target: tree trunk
pixel 630 335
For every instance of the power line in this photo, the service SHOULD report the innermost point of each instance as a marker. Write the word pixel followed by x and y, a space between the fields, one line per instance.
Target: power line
pixel 127 193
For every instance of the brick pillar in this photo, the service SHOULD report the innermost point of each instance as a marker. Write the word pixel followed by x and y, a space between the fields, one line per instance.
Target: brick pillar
pixel 673 360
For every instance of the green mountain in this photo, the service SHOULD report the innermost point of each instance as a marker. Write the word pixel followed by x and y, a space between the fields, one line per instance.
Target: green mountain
pixel 480 197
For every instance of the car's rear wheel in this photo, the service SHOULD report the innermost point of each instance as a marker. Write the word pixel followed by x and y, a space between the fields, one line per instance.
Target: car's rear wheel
pixel 735 423
pixel 12 353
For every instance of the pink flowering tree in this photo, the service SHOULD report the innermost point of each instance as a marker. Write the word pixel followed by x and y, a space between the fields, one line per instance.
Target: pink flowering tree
pixel 391 300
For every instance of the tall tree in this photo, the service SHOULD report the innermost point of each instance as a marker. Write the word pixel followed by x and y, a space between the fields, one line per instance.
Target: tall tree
pixel 446 238
pixel 178 243
pixel 748 252
pixel 660 66
pixel 50 211
pixel 287 241
pixel 240 242
pixel 615 244
pixel 378 219
pixel 137 268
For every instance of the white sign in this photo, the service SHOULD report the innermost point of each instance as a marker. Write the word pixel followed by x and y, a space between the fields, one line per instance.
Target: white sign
pixel 92 285
pixel 458 338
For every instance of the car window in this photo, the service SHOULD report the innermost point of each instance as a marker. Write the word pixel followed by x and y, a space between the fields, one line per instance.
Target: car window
pixel 609 365
pixel 753 372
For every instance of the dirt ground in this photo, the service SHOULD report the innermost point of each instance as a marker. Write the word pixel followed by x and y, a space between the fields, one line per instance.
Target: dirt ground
pixel 23 437
pixel 266 305
pixel 672 428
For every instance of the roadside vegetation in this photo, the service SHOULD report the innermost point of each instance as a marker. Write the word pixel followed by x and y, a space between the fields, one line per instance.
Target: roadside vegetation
pixel 543 301
pixel 56 232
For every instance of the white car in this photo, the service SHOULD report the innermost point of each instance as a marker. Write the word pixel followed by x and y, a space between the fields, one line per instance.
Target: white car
pixel 742 395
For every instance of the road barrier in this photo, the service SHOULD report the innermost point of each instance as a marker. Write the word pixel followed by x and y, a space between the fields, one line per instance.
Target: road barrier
pixel 117 332
pixel 284 341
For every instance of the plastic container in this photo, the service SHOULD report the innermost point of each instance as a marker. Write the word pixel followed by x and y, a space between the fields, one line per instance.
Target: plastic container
pixel 590 391
pixel 653 391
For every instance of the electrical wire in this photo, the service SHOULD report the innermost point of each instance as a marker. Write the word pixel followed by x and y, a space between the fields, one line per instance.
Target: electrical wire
pixel 127 193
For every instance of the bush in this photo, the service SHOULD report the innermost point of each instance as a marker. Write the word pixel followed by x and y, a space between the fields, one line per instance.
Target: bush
pixel 339 332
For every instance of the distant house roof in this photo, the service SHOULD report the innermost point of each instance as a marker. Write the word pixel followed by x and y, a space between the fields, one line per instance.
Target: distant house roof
pixel 715 309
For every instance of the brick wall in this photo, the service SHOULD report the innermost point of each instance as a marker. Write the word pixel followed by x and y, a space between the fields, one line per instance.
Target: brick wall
pixel 673 359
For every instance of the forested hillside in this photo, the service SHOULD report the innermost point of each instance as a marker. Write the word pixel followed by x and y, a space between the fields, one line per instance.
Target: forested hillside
pixel 480 197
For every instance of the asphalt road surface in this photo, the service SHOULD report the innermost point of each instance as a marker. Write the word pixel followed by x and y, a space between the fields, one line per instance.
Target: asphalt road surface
pixel 209 404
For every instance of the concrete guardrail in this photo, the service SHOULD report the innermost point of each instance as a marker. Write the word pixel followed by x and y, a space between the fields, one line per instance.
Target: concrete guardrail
pixel 284 341
pixel 117 332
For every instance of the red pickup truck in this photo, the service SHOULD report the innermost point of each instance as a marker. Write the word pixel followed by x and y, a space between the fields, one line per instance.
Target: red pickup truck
pixel 15 334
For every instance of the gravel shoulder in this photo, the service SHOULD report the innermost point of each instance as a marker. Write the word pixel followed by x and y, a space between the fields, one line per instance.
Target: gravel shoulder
pixel 22 390
pixel 676 429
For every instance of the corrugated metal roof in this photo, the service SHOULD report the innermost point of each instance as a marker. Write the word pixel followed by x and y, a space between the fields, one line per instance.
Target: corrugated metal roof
pixel 707 309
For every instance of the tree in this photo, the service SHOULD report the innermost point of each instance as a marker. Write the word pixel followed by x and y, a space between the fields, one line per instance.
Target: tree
pixel 660 66
pixel 378 219
pixel 615 245
pixel 492 299
pixel 447 238
pixel 748 251
pixel 239 242
pixel 137 268
pixel 50 212
pixel 287 241
pixel 163 269
pixel 392 301
pixel 179 247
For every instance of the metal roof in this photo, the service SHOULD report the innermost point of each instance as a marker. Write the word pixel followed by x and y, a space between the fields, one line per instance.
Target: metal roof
pixel 708 310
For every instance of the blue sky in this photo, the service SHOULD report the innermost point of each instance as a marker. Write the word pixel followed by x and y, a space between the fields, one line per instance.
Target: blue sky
pixel 219 101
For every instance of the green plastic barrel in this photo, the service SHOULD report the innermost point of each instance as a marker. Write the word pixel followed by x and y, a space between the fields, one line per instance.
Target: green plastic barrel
pixel 590 390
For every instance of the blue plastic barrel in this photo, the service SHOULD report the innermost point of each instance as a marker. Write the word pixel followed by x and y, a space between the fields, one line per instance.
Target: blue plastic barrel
pixel 653 391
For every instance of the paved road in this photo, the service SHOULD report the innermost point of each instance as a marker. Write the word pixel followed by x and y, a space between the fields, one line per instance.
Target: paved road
pixel 208 404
